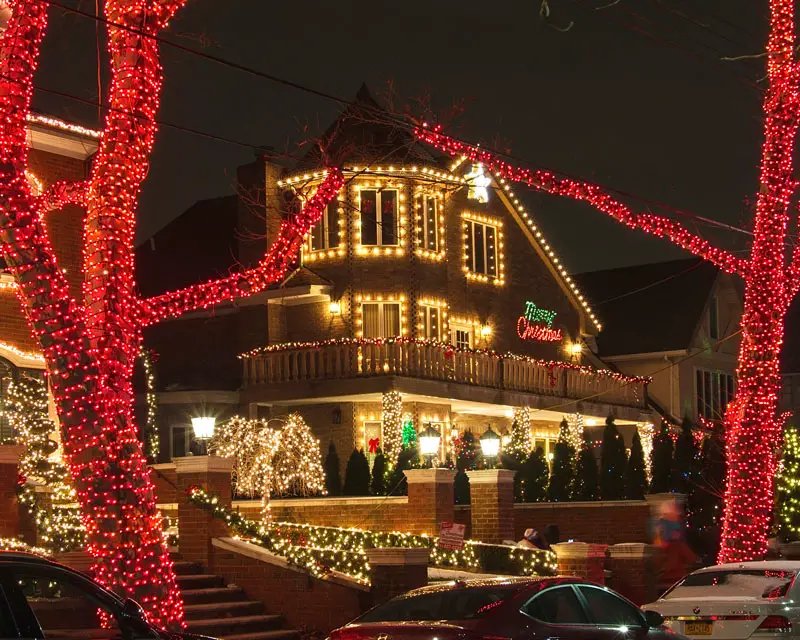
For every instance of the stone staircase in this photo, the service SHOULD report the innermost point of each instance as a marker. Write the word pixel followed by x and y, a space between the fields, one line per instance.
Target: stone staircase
pixel 223 611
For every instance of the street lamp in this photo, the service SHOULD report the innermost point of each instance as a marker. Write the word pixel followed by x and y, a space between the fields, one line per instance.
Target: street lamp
pixel 429 439
pixel 490 444
pixel 204 430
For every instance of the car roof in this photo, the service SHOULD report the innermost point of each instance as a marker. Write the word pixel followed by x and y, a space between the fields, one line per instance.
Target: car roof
pixel 26 556
pixel 777 565
pixel 515 582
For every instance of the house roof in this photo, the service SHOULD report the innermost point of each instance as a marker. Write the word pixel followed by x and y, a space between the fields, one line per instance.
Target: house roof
pixel 649 308
pixel 364 132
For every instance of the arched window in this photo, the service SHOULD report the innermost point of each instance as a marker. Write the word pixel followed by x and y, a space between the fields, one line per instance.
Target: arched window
pixel 8 373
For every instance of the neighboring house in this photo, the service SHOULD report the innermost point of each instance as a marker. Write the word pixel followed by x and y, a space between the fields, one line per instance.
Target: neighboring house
pixel 676 322
pixel 416 278
pixel 58 151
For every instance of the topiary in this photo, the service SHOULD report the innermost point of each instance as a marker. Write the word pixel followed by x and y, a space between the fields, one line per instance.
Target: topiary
pixel 333 481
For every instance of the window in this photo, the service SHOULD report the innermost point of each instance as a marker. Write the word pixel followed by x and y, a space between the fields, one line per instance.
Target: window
pixel 713 319
pixel 430 223
pixel 461 336
pixel 606 608
pixel 381 319
pixel 181 441
pixel 379 217
pixel 458 604
pixel 481 248
pixel 431 326
pixel 714 389
pixel 556 606
pixel 65 609
pixel 325 234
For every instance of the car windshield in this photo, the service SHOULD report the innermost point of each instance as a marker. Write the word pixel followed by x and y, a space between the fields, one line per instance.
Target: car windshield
pixel 455 604
pixel 754 583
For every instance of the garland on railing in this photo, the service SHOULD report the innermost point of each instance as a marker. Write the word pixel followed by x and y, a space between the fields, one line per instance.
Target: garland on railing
pixel 426 342
pixel 320 549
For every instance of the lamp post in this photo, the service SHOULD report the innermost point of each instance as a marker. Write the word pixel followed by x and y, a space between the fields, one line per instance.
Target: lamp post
pixel 429 439
pixel 203 431
pixel 490 444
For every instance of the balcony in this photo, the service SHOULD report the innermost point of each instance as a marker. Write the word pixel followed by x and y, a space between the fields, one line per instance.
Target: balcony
pixel 313 364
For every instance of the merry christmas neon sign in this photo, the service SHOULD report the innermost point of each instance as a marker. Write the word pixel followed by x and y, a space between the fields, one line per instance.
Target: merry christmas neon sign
pixel 536 324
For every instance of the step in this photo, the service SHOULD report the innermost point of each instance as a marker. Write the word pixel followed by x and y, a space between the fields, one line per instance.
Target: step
pixel 183 568
pixel 223 609
pixel 199 581
pixel 212 595
pixel 280 634
pixel 225 627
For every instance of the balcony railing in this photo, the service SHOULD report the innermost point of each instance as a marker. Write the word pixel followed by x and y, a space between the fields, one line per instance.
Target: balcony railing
pixel 437 361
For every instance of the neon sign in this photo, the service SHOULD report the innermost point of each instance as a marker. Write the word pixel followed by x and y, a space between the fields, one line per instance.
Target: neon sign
pixel 537 323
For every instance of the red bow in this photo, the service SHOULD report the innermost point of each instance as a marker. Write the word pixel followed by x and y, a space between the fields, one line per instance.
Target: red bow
pixel 373 445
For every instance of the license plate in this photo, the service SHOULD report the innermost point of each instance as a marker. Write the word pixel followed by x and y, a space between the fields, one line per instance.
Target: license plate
pixel 697 629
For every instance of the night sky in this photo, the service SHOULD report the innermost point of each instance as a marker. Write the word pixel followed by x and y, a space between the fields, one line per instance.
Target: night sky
pixel 602 101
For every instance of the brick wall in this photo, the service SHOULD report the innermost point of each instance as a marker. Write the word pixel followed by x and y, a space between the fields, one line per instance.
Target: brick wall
pixel 166 484
pixel 602 522
pixel 376 514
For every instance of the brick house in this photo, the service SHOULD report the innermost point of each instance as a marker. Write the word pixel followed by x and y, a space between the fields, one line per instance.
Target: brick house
pixel 688 343
pixel 415 281
pixel 58 151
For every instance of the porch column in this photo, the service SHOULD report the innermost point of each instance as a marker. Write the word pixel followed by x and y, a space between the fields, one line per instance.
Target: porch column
pixel 196 526
pixel 430 499
pixel 492 498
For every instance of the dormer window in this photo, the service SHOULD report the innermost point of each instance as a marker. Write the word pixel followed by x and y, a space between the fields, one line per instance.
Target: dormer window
pixel 483 248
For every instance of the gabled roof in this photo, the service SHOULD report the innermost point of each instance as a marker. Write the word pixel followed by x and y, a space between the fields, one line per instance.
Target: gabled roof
pixel 364 133
pixel 649 308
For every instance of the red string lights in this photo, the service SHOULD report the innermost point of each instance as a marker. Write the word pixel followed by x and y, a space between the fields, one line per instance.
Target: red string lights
pixel 753 429
pixel 90 348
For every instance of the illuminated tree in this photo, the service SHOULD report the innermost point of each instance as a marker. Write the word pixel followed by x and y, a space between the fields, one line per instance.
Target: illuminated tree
pixel 771 280
pixel 90 343
pixel 789 487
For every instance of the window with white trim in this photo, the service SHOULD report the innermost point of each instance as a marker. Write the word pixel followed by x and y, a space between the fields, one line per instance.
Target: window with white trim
pixel 325 234
pixel 461 336
pixel 714 390
pixel 380 219
pixel 373 431
pixel 481 248
pixel 381 319
pixel 431 322
pixel 429 227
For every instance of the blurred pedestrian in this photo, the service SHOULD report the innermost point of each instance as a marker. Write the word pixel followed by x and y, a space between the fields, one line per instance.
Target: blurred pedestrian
pixel 674 557
pixel 532 539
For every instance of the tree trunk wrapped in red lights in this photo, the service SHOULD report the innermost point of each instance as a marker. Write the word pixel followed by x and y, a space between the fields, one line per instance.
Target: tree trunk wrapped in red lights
pixel 753 427
pixel 90 345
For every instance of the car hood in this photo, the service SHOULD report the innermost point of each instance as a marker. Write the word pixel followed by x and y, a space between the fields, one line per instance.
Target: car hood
pixel 171 635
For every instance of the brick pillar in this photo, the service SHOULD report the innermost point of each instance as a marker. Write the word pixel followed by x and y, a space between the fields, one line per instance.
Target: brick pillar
pixel 9 505
pixel 196 527
pixel 430 499
pixel 396 570
pixel 492 498
pixel 582 560
pixel 631 571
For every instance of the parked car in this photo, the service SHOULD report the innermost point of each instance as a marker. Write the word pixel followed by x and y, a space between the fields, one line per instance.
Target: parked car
pixel 507 609
pixel 41 599
pixel 746 600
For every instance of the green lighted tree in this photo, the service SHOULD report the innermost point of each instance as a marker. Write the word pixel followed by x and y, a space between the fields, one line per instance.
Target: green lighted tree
pixel 562 478
pixel 409 434
pixel 586 476
pixel 788 493
pixel 636 481
pixel 520 445
pixel 613 460
pixel 661 461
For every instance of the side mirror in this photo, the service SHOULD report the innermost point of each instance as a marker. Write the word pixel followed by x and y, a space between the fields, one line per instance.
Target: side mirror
pixel 132 610
pixel 653 619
